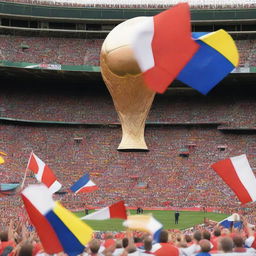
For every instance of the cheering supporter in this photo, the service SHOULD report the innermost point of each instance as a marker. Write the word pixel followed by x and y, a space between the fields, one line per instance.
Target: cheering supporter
pixel 226 245
pixel 205 246
pixel 215 239
pixel 23 241
pixel 164 248
pixel 238 244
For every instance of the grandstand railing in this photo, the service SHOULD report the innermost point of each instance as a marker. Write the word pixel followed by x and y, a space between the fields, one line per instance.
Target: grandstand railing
pixel 83 68
pixel 8 120
pixel 49 66
pixel 221 126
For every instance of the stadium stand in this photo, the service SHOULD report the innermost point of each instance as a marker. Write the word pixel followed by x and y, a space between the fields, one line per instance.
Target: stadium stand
pixel 142 4
pixel 186 132
pixel 185 181
pixel 80 51
pixel 50 50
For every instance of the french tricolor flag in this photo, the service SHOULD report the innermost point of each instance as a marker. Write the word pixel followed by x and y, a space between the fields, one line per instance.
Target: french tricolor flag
pixel 84 185
pixel 238 175
pixel 163 45
pixel 114 211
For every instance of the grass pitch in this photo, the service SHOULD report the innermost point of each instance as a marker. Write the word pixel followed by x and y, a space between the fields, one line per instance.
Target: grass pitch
pixel 186 220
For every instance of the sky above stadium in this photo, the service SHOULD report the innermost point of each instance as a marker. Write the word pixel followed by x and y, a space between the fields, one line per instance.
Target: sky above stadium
pixel 165 2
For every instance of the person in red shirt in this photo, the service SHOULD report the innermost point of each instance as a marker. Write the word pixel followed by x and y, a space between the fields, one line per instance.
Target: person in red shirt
pixel 164 248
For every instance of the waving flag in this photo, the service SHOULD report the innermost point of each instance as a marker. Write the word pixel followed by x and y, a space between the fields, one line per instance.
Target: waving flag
pixel 83 185
pixel 238 175
pixel 59 229
pixel 165 49
pixel 43 173
pixel 233 220
pixel 114 211
pixel 215 59
pixel 162 46
pixel 145 223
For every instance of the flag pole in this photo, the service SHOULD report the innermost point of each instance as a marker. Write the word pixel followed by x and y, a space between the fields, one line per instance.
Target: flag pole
pixel 26 170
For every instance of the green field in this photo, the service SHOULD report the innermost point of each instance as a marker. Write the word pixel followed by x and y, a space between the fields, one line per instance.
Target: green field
pixel 187 219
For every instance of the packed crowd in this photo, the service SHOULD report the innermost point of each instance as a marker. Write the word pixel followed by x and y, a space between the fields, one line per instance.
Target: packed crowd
pixel 40 50
pixel 96 107
pixel 197 4
pixel 20 238
pixel 185 181
pixel 80 51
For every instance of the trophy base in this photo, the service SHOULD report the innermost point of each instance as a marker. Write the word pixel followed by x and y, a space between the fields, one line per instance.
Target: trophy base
pixel 132 150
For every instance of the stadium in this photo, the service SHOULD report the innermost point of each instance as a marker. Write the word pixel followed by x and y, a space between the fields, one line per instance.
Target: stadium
pixel 54 102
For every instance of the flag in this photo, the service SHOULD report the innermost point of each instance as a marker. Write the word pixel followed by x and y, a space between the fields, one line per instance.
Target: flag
pixel 1 158
pixel 215 59
pixel 162 46
pixel 58 229
pixel 43 173
pixel 145 223
pixel 238 175
pixel 233 219
pixel 84 184
pixel 114 211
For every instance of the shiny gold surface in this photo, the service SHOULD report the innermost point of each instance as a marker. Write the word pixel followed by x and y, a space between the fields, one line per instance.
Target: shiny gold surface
pixel 132 99
pixel 122 75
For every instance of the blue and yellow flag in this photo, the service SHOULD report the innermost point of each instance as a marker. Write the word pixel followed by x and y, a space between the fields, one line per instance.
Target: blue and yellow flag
pixel 59 229
pixel 215 59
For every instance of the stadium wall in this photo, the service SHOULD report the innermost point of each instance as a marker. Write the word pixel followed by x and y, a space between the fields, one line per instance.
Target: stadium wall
pixel 116 13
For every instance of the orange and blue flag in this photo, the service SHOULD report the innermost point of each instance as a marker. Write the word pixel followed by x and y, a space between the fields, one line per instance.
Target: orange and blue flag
pixel 59 230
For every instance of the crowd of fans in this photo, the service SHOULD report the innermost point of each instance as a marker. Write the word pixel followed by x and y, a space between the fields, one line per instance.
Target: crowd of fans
pixel 71 51
pixel 20 238
pixel 40 50
pixel 185 180
pixel 196 4
pixel 86 106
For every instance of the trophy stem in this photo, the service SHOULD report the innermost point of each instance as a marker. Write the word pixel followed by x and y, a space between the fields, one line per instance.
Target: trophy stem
pixel 132 100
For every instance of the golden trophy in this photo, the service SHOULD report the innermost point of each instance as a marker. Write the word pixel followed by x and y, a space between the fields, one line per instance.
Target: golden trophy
pixel 123 77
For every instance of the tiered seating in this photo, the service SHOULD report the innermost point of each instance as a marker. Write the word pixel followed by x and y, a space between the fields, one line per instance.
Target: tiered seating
pixel 80 51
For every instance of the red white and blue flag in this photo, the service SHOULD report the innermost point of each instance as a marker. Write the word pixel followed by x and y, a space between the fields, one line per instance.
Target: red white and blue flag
pixel 84 184
pixel 43 173
pixel 238 175
pixel 114 211
pixel 163 45
pixel 165 49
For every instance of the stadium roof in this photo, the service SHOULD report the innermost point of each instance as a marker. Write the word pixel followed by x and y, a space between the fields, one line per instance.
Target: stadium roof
pixel 245 3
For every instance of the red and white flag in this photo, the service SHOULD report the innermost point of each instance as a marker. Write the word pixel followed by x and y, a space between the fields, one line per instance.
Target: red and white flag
pixel 238 175
pixel 163 45
pixel 114 211
pixel 43 173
